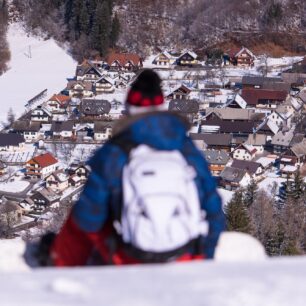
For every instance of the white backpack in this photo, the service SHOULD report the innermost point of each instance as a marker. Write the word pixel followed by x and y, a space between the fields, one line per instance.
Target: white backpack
pixel 161 210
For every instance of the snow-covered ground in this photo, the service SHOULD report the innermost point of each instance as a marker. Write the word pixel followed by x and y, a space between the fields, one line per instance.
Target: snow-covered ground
pixel 226 195
pixel 35 65
pixel 265 282
pixel 14 186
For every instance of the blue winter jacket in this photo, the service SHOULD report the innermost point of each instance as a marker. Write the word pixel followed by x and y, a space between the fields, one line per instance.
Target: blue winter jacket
pixel 101 198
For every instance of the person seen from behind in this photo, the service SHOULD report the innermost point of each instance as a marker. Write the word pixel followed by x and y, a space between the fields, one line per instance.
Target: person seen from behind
pixel 150 197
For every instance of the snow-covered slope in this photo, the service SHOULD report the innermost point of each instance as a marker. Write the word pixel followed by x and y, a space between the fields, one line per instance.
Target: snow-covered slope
pixel 257 281
pixel 35 65
pixel 278 282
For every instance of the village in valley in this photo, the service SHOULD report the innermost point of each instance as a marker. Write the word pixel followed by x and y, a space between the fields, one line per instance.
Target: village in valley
pixel 247 115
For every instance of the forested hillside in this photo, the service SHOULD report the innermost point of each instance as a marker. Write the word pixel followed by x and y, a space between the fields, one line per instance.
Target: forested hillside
pixel 204 23
pixel 90 26
pixel 4 51
pixel 274 26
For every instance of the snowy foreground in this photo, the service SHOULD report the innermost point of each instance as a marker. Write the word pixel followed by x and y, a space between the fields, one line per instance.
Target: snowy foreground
pixel 35 65
pixel 256 282
pixel 270 283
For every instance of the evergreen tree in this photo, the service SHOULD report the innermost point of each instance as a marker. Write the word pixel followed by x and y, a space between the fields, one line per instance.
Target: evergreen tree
pixel 114 35
pixel 75 22
pixel 84 19
pixel 298 186
pixel 250 193
pixel 237 217
pixel 274 240
pixel 291 249
pixel 101 28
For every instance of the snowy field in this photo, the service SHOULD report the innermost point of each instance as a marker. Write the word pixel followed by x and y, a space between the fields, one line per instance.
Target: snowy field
pixel 35 65
pixel 15 186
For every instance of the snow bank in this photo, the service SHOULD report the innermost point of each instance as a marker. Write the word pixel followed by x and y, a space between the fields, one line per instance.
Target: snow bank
pixel 35 65
pixel 11 252
pixel 271 282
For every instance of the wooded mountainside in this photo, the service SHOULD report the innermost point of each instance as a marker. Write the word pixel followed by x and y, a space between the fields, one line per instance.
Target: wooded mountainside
pixel 201 24
pixel 4 51
pixel 274 26
pixel 90 26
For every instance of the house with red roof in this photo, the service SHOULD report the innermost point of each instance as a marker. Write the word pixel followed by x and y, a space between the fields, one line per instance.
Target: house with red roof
pixel 41 166
pixel 264 98
pixel 242 57
pixel 57 103
pixel 124 61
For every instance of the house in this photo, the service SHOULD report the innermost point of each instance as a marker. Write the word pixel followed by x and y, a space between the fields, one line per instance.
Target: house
pixel 58 181
pixel 293 104
pixel 268 128
pixel 41 166
pixel 254 169
pixel 80 89
pixel 124 62
pixel 84 131
pixel 237 102
pixel 28 129
pixel 57 103
pixel 234 178
pixel 302 96
pixel 10 213
pixel 260 82
pixel 282 140
pixel 264 98
pixel 298 150
pixel 217 142
pixel 121 81
pixel 267 162
pixel 258 141
pixel 188 58
pixel 241 57
pixel 103 130
pixel 232 114
pixel 164 59
pixel 78 174
pixel 62 129
pixel 296 73
pixel 87 72
pixel 288 171
pixel 11 142
pixel 182 92
pixel 92 108
pixel 244 152
pixel 217 160
pixel 240 128
pixel 40 114
pixel 188 108
pixel 104 85
pixel 281 119
pixel 42 199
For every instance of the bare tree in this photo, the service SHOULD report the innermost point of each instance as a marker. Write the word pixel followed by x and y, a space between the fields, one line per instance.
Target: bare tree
pixel 11 116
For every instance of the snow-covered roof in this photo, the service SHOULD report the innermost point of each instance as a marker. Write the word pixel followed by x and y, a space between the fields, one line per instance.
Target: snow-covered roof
pixel 244 49
pixel 266 161
pixel 273 126
pixel 240 101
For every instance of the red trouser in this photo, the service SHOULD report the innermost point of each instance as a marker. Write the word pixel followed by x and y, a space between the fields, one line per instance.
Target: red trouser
pixel 74 247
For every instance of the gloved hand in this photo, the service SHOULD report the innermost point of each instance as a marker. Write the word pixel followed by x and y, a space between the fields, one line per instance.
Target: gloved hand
pixel 38 254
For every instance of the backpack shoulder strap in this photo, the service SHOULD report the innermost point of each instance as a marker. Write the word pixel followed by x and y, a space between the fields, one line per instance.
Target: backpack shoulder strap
pixel 125 145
